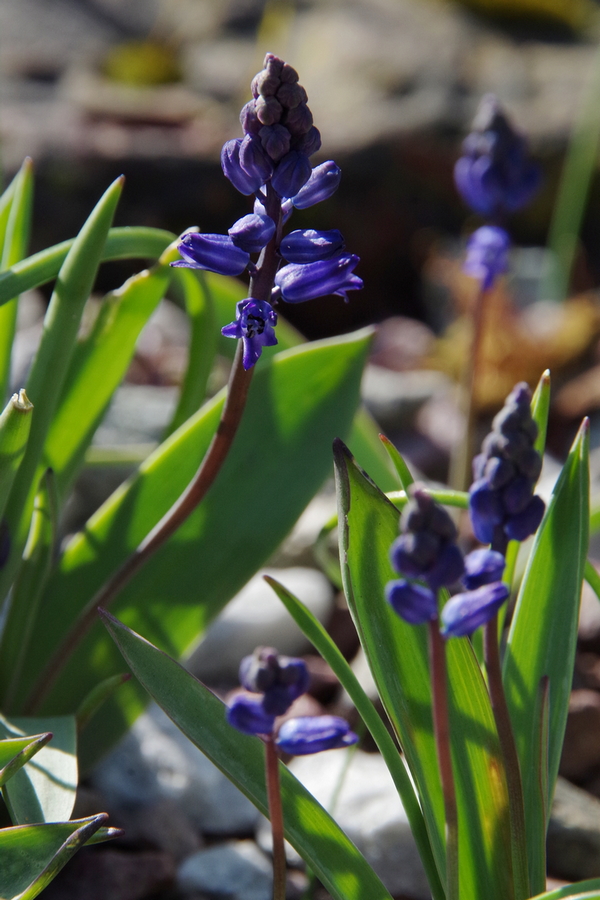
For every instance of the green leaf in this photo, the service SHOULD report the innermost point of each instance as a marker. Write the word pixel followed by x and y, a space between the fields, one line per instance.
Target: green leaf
pixel 316 634
pixel 201 717
pixel 42 267
pixel 402 470
pixel 540 408
pixel 581 890
pixel 398 657
pixel 15 425
pixel 44 384
pixel 44 789
pixel 97 696
pixel 5 204
pixel 281 455
pixel 543 635
pixel 32 855
pixel 15 752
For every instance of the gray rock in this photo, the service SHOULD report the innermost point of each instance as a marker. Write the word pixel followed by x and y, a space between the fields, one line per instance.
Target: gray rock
pixel 574 833
pixel 257 617
pixel 236 870
pixel 369 811
pixel 394 398
pixel 156 762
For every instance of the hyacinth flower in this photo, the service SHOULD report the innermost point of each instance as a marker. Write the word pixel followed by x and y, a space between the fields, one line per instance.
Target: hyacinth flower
pixel 271 683
pixel 272 162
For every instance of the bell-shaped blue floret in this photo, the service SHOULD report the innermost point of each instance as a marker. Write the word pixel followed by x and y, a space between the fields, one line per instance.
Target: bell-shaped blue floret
pixel 291 173
pixel 309 245
pixel 414 603
pixel 246 713
pixel 254 324
pixel 329 276
pixel 252 232
pixel 482 567
pixel 322 184
pixel 213 253
pixel 305 735
pixel 464 613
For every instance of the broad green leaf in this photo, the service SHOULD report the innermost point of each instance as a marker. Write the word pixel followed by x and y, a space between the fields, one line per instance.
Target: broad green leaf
pixel 32 855
pixel 581 890
pixel 398 657
pixel 297 404
pixel 28 588
pixel 42 267
pixel 201 717
pixel 316 634
pixel 15 425
pixel 45 381
pixel 44 789
pixel 15 752
pixel 543 635
pixel 16 239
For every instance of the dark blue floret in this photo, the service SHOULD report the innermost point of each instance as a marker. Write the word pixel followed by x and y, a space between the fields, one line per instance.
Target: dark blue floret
pixel 254 160
pixel 254 324
pixel 322 184
pixel 213 253
pixel 302 736
pixel 252 232
pixel 281 679
pixel 464 613
pixel 482 567
pixel 329 276
pixel 414 603
pixel 246 713
pixel 310 246
pixel 232 169
pixel 487 255
pixel 292 173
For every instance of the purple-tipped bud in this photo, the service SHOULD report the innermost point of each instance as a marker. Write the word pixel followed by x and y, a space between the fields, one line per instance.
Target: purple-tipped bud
pixel 254 324
pixel 266 83
pixel 268 110
pixel 213 253
pixel 466 612
pixel 322 184
pixel 526 523
pixel 482 567
pixel 292 172
pixel 248 118
pixel 486 510
pixel 414 553
pixel 329 276
pixel 252 232
pixel 299 120
pixel 253 159
pixel 310 245
pixel 487 255
pixel 291 95
pixel 245 712
pixel 230 162
pixel 308 143
pixel 497 472
pixel 517 495
pixel 414 603
pixel 275 140
pixel 447 569
pixel 305 735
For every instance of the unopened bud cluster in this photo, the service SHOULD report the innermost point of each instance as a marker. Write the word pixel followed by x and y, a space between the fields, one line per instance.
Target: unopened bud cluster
pixel 501 500
pixel 272 683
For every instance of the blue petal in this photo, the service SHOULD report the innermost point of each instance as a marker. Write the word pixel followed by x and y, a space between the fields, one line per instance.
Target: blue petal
pixel 464 613
pixel 245 712
pixel 306 735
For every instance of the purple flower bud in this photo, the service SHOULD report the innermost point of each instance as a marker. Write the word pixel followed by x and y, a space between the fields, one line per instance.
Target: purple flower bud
pixel 248 118
pixel 463 613
pixel 487 255
pixel 298 120
pixel 497 472
pixel 291 95
pixel 322 184
pixel 291 173
pixel 525 523
pixel 482 567
pixel 266 83
pixel 254 324
pixel 275 140
pixel 447 569
pixel 212 252
pixel 517 494
pixel 414 553
pixel 245 712
pixel 253 159
pixel 252 232
pixel 275 65
pixel 328 276
pixel 486 510
pixel 230 163
pixel 308 143
pixel 268 110
pixel 307 734
pixel 414 603
pixel 529 463
pixel 310 245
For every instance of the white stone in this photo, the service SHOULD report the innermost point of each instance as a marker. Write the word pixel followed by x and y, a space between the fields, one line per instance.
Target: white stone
pixel 237 870
pixel 255 617
pixel 155 762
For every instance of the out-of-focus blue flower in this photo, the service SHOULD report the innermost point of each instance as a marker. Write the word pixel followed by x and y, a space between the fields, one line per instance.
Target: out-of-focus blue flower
pixel 305 735
pixel 463 613
pixel 414 603
pixel 482 567
pixel 487 255
pixel 298 283
pixel 282 679
pixel 309 245
pixel 213 253
pixel 252 232
pixel 523 524
pixel 291 173
pixel 230 163
pixel 495 174
pixel 246 713
pixel 322 184
pixel 254 324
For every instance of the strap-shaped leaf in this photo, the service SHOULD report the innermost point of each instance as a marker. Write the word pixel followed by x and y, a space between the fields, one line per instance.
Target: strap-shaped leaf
pixel 543 635
pixel 397 655
pixel 15 752
pixel 201 717
pixel 281 455
pixel 581 890
pixel 32 855
pixel 44 789
pixel 319 638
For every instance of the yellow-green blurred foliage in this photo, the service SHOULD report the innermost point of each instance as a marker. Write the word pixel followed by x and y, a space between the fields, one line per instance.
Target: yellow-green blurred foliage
pixel 142 63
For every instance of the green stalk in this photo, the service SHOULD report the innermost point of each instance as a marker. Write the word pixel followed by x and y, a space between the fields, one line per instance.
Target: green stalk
pixel 276 817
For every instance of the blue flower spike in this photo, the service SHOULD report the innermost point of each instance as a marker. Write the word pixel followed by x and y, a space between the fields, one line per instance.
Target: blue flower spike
pixel 306 735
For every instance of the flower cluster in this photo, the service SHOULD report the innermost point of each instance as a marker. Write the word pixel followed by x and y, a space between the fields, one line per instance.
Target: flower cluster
pixel 272 162
pixel 272 683
pixel 501 500
pixel 427 550
pixel 495 176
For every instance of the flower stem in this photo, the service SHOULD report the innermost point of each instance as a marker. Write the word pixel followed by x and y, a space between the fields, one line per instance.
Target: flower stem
pixel 508 748
pixel 261 285
pixel 441 728
pixel 276 817
pixel 460 463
